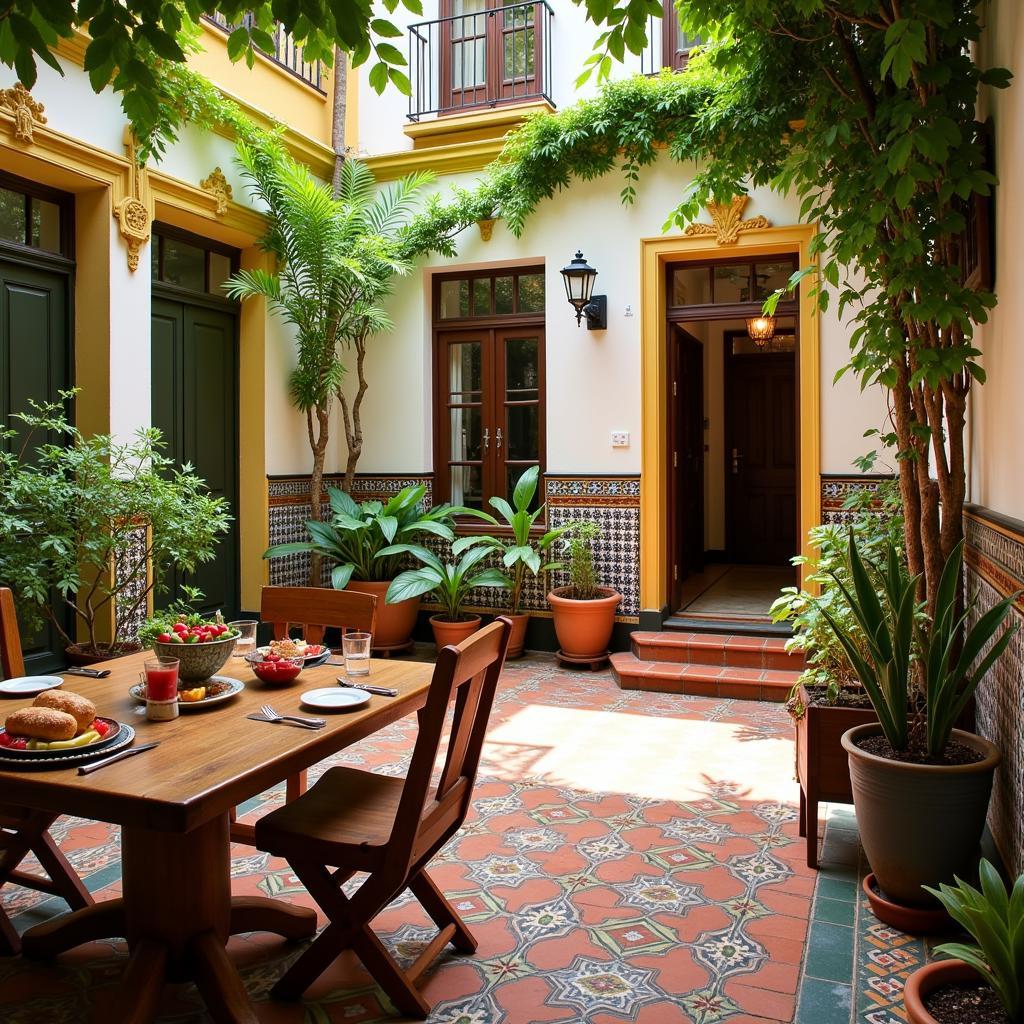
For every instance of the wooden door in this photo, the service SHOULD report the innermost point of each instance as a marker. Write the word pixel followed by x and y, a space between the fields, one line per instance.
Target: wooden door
pixel 195 405
pixel 761 457
pixel 35 365
pixel 519 385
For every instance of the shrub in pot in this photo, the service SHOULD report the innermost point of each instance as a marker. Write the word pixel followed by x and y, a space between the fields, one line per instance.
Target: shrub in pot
pixel 69 505
pixel 520 551
pixel 584 611
pixel 365 543
pixel 921 787
pixel 449 585
pixel 989 972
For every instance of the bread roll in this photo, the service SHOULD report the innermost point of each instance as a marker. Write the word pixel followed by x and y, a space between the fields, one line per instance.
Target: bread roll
pixel 42 724
pixel 82 710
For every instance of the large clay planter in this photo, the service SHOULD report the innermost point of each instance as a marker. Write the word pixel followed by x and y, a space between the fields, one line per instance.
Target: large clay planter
pixel 517 636
pixel 926 980
pixel 584 628
pixel 920 824
pixel 395 622
pixel 447 632
pixel 80 657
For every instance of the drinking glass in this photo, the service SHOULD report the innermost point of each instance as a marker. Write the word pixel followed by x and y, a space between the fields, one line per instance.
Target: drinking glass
pixel 246 641
pixel 161 689
pixel 356 648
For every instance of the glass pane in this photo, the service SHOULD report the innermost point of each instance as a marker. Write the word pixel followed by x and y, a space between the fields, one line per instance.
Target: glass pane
pixel 467 486
pixel 513 473
pixel 454 299
pixel 691 286
pixel 466 434
pixel 503 295
pixel 464 372
pixel 769 277
pixel 12 216
pixel 531 293
pixel 732 283
pixel 523 438
pixel 522 372
pixel 45 225
pixel 154 257
pixel 469 46
pixel 482 296
pixel 519 53
pixel 184 265
pixel 220 271
pixel 522 14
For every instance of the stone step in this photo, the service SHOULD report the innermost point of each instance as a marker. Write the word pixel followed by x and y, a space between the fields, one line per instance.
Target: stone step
pixel 719 649
pixel 697 680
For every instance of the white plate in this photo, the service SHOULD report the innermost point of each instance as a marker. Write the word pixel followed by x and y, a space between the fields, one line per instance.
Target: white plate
pixel 138 692
pixel 335 698
pixel 29 686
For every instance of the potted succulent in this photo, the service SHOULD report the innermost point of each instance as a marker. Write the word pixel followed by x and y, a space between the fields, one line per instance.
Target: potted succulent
pixel 520 551
pixel 985 981
pixel 920 786
pixel 70 505
pixel 449 585
pixel 584 611
pixel 366 542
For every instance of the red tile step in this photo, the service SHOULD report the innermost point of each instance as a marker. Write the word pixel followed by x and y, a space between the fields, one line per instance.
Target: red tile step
pixel 702 680
pixel 720 649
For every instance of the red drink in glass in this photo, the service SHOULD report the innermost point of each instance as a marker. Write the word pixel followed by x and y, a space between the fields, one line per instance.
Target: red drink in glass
pixel 161 688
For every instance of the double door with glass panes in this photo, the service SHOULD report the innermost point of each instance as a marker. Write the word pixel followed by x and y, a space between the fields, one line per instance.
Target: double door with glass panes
pixel 491 384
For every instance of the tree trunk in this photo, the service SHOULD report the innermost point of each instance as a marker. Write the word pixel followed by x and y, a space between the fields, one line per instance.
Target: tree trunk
pixel 318 442
pixel 338 114
pixel 353 418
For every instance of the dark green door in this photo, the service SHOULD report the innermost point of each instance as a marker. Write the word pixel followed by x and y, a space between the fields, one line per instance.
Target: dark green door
pixel 195 405
pixel 35 341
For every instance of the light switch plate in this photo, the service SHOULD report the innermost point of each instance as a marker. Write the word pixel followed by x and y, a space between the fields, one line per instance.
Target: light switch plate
pixel 620 438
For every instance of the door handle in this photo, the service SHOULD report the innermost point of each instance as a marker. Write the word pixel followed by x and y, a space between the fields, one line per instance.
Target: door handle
pixel 487 438
pixel 736 456
pixel 497 439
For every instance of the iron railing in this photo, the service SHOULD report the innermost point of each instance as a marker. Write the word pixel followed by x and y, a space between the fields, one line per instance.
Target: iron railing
pixel 481 59
pixel 286 54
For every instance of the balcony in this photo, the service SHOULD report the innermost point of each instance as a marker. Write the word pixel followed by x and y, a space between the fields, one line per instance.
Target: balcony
pixel 287 54
pixel 482 58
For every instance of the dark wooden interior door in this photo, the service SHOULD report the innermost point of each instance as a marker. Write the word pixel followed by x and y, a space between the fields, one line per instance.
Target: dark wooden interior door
pixel 195 405
pixel 761 458
pixel 35 364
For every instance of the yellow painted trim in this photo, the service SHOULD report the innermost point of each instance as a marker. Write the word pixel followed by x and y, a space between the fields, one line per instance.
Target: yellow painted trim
pixel 655 253
pixel 456 159
pixel 477 125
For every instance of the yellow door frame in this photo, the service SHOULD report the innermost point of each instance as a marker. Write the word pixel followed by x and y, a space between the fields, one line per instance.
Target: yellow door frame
pixel 655 253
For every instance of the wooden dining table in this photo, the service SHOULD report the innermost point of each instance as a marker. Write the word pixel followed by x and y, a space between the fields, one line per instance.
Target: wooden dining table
pixel 175 806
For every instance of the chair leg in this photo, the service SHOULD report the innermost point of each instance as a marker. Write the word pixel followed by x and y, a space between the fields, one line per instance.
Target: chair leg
pixel 378 961
pixel 64 877
pixel 295 786
pixel 10 941
pixel 441 912
pixel 315 959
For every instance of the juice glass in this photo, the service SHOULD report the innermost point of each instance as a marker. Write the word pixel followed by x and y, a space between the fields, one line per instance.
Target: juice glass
pixel 161 689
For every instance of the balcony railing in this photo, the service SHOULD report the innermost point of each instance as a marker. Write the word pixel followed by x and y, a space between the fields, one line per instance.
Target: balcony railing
pixel 479 59
pixel 287 53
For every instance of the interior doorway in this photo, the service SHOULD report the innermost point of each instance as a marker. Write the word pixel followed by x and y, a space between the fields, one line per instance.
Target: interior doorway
pixel 733 440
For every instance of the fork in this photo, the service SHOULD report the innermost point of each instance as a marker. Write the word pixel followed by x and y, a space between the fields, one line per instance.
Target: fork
pixel 272 716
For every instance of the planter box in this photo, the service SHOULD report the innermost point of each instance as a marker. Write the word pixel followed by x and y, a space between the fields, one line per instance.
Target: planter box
pixel 822 766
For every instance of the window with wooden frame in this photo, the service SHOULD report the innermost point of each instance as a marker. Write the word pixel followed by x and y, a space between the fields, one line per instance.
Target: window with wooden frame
pixel 676 43
pixel 732 287
pixel 186 261
pixel 488 382
pixel 35 217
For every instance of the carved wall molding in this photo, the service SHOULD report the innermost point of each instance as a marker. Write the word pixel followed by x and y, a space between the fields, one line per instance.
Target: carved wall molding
pixel 132 211
pixel 216 185
pixel 27 111
pixel 727 221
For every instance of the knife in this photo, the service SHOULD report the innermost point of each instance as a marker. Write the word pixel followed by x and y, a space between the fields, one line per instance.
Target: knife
pixel 92 673
pixel 381 691
pixel 85 769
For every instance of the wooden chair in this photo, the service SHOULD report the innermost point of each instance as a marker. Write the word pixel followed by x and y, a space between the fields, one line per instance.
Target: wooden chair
pixel 391 828
pixel 23 831
pixel 314 610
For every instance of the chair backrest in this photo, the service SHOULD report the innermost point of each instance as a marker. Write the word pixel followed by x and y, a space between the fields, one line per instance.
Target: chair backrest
pixel 466 679
pixel 12 664
pixel 316 609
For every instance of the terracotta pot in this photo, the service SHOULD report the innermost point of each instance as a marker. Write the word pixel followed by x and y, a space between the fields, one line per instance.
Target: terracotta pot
pixel 920 824
pixel 81 656
pixel 395 622
pixel 447 632
pixel 926 980
pixel 517 637
pixel 910 920
pixel 584 628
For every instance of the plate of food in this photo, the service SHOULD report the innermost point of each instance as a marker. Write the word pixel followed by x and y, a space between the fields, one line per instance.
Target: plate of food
pixel 57 724
pixel 311 654
pixel 195 696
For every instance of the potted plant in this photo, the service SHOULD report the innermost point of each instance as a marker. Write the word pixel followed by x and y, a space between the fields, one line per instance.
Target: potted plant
pixel 70 505
pixel 449 585
pixel 366 542
pixel 520 551
pixel 985 981
pixel 921 787
pixel 584 611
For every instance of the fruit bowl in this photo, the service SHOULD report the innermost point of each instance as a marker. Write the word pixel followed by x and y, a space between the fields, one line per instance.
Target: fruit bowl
pixel 275 668
pixel 198 661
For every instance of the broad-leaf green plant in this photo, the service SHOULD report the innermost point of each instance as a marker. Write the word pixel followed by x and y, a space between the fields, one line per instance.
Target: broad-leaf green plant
pixel 521 551
pixel 994 918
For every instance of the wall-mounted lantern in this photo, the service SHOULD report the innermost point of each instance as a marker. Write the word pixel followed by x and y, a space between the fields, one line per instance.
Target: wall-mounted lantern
pixel 579 279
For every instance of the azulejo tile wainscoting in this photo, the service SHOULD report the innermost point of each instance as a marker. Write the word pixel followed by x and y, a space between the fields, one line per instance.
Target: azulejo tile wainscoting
pixel 995 569
pixel 835 490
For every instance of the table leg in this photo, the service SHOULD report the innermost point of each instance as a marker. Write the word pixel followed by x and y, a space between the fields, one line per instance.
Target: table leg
pixel 51 938
pixel 259 914
pixel 143 981
pixel 218 982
